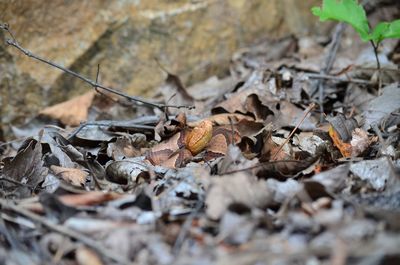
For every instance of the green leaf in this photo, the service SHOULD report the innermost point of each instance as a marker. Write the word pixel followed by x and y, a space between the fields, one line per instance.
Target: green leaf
pixel 348 11
pixel 386 30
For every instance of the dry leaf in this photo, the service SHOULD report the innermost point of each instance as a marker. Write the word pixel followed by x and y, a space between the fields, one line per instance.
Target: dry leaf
pixel 236 188
pixel 71 112
pixel 359 142
pixel 25 168
pixel 344 148
pixel 75 176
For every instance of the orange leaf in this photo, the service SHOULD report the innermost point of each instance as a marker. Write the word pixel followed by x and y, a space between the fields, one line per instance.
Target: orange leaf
pixel 344 148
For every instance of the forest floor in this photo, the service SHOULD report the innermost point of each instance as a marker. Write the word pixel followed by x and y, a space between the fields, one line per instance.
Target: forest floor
pixel 292 157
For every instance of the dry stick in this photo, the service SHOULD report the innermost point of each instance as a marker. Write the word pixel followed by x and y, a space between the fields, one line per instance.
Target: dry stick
pixel 65 231
pixel 185 228
pixel 13 42
pixel 260 165
pixel 306 111
pixel 109 124
pixel 339 79
pixel 329 63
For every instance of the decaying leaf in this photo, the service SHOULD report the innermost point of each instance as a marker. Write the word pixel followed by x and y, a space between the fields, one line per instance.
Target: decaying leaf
pixel 341 131
pixel 379 173
pixel 383 110
pixel 359 142
pixel 25 168
pixel 125 146
pixel 236 188
pixel 164 150
pixel 334 179
pixel 127 171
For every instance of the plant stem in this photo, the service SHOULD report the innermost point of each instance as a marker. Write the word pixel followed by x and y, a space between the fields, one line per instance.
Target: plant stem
pixel 378 64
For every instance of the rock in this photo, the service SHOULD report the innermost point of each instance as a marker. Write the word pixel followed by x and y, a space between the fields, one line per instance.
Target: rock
pixel 191 38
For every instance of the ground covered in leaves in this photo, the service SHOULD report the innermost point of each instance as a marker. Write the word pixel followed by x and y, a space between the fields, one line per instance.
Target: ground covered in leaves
pixel 280 162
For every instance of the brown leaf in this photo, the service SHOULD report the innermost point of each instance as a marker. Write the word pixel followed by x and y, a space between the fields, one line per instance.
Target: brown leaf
pixel 71 112
pixel 165 129
pixel 163 151
pixel 75 176
pixel 222 137
pixel 254 105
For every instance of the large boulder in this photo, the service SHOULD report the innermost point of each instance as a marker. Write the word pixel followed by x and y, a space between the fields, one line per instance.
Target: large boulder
pixel 194 38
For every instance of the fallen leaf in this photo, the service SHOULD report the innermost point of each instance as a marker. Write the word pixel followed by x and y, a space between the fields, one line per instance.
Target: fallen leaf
pixel 75 176
pixel 236 188
pixel 383 110
pixel 379 173
pixel 359 142
pixel 26 168
pixel 341 131
pixel 71 112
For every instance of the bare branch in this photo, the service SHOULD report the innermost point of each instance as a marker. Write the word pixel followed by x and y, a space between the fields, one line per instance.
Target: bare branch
pixel 139 101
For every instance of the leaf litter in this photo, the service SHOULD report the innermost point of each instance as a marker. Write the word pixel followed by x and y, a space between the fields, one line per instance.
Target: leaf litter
pixel 250 176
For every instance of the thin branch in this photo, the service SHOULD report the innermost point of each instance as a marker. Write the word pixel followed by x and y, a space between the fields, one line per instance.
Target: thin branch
pixel 16 182
pixel 330 59
pixel 13 42
pixel 64 231
pixel 125 124
pixel 339 79
pixel 306 111
pixel 185 228
pixel 262 164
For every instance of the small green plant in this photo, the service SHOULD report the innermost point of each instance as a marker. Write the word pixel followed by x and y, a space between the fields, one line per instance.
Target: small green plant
pixel 351 12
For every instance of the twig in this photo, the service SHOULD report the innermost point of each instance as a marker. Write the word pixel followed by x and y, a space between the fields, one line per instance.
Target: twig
pixel 13 42
pixel 16 183
pixel 65 231
pixel 185 229
pixel 272 162
pixel 125 124
pixel 339 79
pixel 329 63
pixel 306 111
